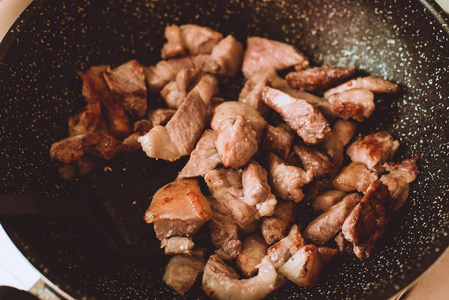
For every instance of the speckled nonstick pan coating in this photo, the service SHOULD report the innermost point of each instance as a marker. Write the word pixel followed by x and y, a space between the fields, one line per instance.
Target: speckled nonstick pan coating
pixel 404 41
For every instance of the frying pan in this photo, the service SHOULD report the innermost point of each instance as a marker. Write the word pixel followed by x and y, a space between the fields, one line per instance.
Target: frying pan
pixel 108 251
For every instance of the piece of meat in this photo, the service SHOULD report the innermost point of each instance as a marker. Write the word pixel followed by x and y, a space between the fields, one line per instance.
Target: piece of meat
pixel 355 176
pixel 366 224
pixel 372 83
pixel 180 135
pixel 327 199
pixel 160 116
pixel 275 227
pixel 373 149
pixel 140 128
pixel 254 250
pixel 316 188
pixel 239 129
pixel 283 250
pixel 345 130
pixel 98 144
pixel 222 282
pixel 307 121
pixel 178 209
pixel 225 59
pixel 224 231
pixel 286 181
pixel 95 88
pixel 304 267
pixel 164 71
pixel 329 223
pixel 128 80
pixel 327 254
pixel 181 271
pixel 263 55
pixel 198 39
pixel 174 45
pixel 86 120
pixel 318 78
pixel 203 158
pixel 256 190
pixel 314 160
pixel 357 104
pixel 225 185
pixel 177 245
pixel 207 87
pixel 278 140
pixel 343 244
pixel 251 95
pixel 399 178
pixel 176 90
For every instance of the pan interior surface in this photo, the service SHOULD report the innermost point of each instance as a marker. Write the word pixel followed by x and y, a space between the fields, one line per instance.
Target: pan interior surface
pixel 110 251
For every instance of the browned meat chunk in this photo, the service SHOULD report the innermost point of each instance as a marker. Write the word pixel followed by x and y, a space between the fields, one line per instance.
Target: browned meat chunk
pixel 306 120
pixel 343 244
pixel 356 176
pixel 222 282
pixel 160 116
pixel 140 128
pixel 357 104
pixel 275 227
pixel 256 190
pixel 163 72
pixel 281 252
pixel 95 88
pixel 239 129
pixel 316 188
pixel 372 83
pixel 224 231
pixel 263 55
pixel 327 253
pixel 278 140
pixel 345 130
pixel 327 199
pixel 86 120
pixel 176 90
pixel 174 45
pixel 366 224
pixel 314 160
pixel 285 180
pixel 98 144
pixel 178 209
pixel 329 223
pixel 254 249
pixel 373 149
pixel 179 136
pixel 399 178
pixel 225 59
pixel 319 78
pixel 182 271
pixel 251 95
pixel 225 185
pixel 177 245
pixel 128 80
pixel 197 39
pixel 304 267
pixel 203 158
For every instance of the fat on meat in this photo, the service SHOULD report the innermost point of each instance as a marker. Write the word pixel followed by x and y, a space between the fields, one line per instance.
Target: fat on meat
pixel 355 176
pixel 174 45
pixel 140 128
pixel 284 249
pixel 254 250
pixel 327 199
pixel 318 78
pixel 177 245
pixel 356 103
pixel 306 120
pixel 373 149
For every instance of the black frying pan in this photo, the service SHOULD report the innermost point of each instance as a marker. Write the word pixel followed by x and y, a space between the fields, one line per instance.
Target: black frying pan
pixel 108 251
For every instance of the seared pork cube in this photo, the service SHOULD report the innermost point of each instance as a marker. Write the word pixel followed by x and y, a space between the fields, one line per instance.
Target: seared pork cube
pixel 283 250
pixel 254 249
pixel 203 158
pixel 355 176
pixel 327 199
pixel 140 128
pixel 286 181
pixel 307 121
pixel 278 140
pixel 199 40
pixel 314 160
pixel 357 104
pixel 177 245
pixel 275 227
pixel 176 90
pixel 86 120
pixel 366 224
pixel 318 78
pixel 222 282
pixel 174 45
pixel 371 83
pixel 398 179
pixel 373 149
pixel 327 254
pixel 263 55
pixel 128 80
pixel 178 209
pixel 329 223
pixel 182 270
pixel 256 190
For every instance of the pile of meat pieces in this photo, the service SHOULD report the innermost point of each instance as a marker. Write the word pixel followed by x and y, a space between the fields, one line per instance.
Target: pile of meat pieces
pixel 280 147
